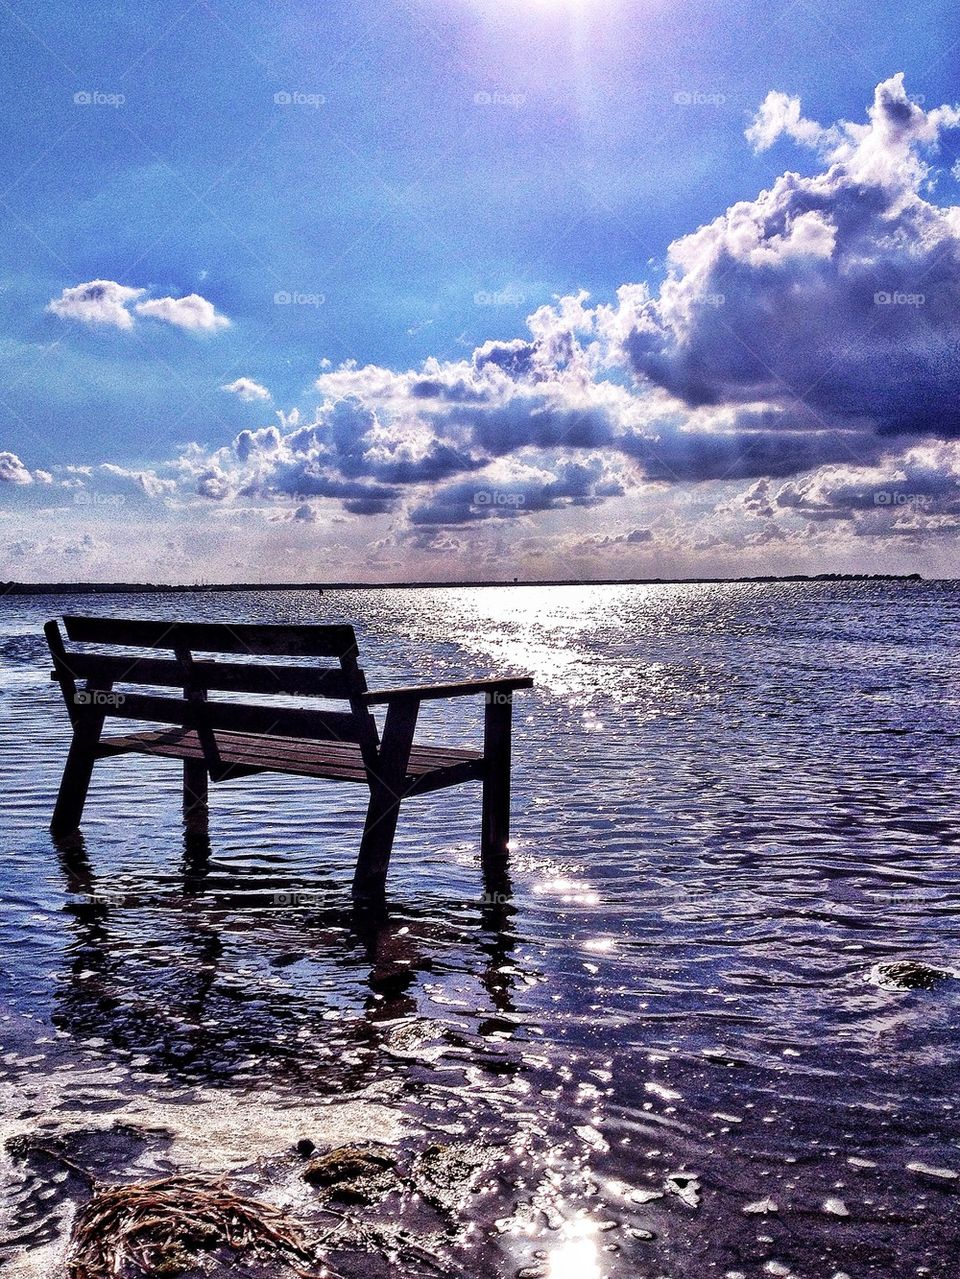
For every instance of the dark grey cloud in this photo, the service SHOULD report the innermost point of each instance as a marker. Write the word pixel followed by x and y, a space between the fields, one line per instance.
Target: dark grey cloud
pixel 840 291
pixel 569 483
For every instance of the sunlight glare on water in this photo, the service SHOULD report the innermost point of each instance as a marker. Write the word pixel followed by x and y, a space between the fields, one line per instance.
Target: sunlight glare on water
pixel 577 1256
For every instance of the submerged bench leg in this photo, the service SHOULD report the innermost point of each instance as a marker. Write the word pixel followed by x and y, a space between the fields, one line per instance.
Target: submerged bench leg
pixel 194 791
pixel 495 822
pixel 376 845
pixel 87 720
pixel 74 785
pixel 387 784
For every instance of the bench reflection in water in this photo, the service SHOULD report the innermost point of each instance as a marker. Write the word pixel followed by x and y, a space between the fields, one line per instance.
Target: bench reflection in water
pixel 222 978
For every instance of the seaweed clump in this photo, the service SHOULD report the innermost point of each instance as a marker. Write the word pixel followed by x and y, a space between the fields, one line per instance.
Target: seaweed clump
pixel 161 1227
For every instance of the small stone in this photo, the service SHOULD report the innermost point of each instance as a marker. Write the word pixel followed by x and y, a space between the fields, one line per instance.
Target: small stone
pixel 445 1174
pixel 761 1207
pixel 305 1147
pixel 641 1196
pixel 686 1186
pixel 943 1174
pixel 590 1137
pixel 836 1208
pixel 908 974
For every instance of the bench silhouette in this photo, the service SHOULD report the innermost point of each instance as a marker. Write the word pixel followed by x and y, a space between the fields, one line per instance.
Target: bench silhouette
pixel 220 739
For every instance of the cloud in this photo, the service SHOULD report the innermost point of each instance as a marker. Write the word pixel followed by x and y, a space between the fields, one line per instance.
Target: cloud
pixel 13 471
pixel 602 542
pixel 885 150
pixel 918 490
pixel 806 340
pixel 838 293
pixel 779 115
pixel 105 302
pixel 97 302
pixel 191 312
pixel 554 484
pixel 149 482
pixel 247 389
pixel 85 546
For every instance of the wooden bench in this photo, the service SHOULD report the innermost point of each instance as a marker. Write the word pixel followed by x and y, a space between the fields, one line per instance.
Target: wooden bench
pixel 219 739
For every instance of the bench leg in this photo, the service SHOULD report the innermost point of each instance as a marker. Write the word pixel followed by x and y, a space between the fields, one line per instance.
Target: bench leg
pixel 387 784
pixel 376 846
pixel 74 785
pixel 495 823
pixel 194 791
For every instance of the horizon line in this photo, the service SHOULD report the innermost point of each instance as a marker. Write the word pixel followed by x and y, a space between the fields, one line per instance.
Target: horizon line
pixel 78 588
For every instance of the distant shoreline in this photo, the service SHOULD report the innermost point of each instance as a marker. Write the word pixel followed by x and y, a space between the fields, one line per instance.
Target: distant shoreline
pixel 153 588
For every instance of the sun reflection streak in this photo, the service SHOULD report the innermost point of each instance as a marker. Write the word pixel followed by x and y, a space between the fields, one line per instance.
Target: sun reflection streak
pixel 577 1255
pixel 552 635
pixel 568 891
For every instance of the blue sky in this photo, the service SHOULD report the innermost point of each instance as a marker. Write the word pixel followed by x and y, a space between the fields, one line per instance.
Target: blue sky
pixel 419 178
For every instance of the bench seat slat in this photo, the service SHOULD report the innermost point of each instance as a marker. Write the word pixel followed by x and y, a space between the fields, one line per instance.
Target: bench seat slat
pixel 293 749
pixel 282 748
pixel 215 637
pixel 327 759
pixel 184 744
pixel 232 677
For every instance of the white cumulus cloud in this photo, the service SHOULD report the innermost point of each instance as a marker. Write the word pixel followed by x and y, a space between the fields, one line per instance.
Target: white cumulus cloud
pixel 13 471
pixel 191 312
pixel 247 389
pixel 105 302
pixel 834 298
pixel 97 302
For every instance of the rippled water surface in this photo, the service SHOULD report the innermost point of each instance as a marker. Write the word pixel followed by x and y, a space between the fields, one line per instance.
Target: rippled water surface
pixel 671 1043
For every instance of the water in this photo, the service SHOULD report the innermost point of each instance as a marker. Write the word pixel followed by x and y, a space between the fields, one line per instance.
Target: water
pixel 731 803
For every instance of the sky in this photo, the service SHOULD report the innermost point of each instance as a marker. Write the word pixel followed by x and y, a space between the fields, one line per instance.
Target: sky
pixel 470 289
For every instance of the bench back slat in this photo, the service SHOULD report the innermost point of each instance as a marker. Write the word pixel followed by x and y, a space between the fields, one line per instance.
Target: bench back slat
pixel 107 676
pixel 230 677
pixel 216 637
pixel 236 717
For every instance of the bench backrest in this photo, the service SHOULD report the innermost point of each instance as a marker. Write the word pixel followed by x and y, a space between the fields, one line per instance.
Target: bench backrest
pixel 96 683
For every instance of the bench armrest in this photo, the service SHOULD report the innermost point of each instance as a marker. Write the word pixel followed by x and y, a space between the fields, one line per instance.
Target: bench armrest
pixel 431 692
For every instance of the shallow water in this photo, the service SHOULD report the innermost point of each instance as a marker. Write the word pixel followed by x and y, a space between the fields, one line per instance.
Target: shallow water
pixel 731 804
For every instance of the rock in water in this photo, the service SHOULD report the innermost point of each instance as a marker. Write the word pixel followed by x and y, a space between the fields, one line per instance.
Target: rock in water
pixel 686 1186
pixel 836 1208
pixel 353 1174
pixel 444 1175
pixel 927 1170
pixel 908 974
pixel 761 1207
